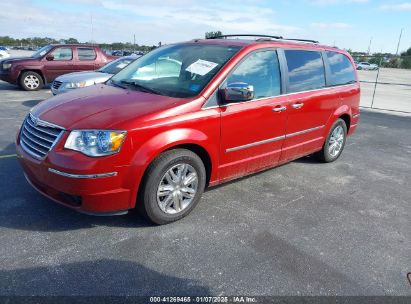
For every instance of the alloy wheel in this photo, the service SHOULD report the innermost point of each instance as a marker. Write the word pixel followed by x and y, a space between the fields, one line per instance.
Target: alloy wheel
pixel 31 82
pixel 177 188
pixel 336 141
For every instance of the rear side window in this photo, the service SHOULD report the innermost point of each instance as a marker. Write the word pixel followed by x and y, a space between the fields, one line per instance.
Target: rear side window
pixel 305 70
pixel 86 54
pixel 261 70
pixel 342 71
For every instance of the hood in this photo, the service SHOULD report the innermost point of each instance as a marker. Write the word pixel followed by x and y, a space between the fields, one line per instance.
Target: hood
pixel 88 76
pixel 101 107
pixel 19 59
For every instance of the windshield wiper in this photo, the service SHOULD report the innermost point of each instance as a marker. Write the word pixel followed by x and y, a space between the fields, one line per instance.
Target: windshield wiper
pixel 117 85
pixel 141 87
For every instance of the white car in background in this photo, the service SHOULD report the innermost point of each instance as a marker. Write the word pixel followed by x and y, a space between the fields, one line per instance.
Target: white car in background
pixel 366 66
pixel 77 80
pixel 4 52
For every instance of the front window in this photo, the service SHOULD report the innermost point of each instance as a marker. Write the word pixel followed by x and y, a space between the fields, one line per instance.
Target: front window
pixel 116 66
pixel 262 71
pixel 62 54
pixel 181 70
pixel 41 52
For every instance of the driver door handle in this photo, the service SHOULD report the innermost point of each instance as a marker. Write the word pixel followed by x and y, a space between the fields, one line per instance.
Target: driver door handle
pixel 279 108
pixel 298 105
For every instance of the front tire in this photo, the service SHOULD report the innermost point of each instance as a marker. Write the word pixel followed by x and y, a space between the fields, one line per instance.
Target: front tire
pixel 31 81
pixel 172 186
pixel 334 143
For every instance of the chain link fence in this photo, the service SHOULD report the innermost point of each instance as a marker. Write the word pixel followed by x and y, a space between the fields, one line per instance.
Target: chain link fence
pixel 387 87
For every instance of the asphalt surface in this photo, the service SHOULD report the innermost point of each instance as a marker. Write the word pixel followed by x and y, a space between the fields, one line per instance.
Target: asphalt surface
pixel 304 228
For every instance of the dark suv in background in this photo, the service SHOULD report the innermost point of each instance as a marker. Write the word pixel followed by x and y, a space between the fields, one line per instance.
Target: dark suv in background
pixel 51 61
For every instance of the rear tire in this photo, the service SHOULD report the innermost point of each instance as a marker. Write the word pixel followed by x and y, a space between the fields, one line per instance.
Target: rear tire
pixel 172 186
pixel 334 143
pixel 31 81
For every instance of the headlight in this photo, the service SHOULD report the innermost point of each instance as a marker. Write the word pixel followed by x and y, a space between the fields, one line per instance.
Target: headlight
pixel 76 85
pixel 6 66
pixel 95 142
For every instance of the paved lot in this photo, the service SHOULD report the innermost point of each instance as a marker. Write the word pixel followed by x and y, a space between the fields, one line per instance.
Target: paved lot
pixel 393 91
pixel 303 228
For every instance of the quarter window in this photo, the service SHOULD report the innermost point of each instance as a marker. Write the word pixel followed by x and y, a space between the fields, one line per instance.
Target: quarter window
pixel 342 71
pixel 262 71
pixel 305 70
pixel 86 54
pixel 62 54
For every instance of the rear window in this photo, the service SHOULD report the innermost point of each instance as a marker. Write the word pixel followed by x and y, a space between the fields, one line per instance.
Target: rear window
pixel 86 54
pixel 342 71
pixel 305 70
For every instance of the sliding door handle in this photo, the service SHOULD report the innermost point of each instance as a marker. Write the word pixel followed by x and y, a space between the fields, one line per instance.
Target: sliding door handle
pixel 297 105
pixel 279 108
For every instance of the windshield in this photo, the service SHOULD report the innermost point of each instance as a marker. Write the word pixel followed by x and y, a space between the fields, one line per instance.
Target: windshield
pixel 116 66
pixel 41 52
pixel 181 70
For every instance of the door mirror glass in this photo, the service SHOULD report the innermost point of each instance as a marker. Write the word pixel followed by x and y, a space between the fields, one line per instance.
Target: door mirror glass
pixel 49 57
pixel 237 92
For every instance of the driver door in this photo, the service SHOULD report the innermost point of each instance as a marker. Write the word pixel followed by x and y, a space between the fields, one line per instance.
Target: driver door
pixel 252 132
pixel 58 62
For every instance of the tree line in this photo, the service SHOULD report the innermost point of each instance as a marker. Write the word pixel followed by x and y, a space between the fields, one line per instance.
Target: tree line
pixel 42 41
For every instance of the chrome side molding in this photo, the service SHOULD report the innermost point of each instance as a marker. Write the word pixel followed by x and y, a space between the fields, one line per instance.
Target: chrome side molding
pixel 70 175
pixel 272 139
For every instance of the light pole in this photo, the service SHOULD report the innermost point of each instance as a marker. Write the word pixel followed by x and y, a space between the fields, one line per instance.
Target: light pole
pixel 399 40
pixel 369 47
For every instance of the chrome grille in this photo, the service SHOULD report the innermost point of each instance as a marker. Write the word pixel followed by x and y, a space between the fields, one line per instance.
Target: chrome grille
pixel 56 84
pixel 37 137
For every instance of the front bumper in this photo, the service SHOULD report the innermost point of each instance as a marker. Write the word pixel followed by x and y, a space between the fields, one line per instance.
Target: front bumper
pixel 99 188
pixel 6 76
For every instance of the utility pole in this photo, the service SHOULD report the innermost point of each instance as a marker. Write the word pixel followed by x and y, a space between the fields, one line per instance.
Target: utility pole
pixel 134 47
pixel 369 47
pixel 399 40
pixel 92 30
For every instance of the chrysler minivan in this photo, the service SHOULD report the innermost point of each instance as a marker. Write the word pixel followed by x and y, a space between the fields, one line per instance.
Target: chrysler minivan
pixel 188 116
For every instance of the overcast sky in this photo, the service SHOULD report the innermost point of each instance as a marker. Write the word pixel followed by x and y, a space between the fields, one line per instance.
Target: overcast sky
pixel 347 23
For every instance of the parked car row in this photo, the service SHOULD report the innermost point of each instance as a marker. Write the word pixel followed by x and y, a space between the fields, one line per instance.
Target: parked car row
pixel 4 52
pixel 45 65
pixel 181 118
pixel 120 53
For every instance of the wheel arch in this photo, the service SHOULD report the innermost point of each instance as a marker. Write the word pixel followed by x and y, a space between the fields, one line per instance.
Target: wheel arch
pixel 192 140
pixel 343 112
pixel 35 70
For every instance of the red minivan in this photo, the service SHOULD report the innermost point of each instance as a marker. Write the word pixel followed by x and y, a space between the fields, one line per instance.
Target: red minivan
pixel 187 116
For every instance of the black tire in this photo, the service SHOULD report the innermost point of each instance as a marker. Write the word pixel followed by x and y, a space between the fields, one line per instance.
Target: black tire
pixel 325 155
pixel 359 68
pixel 31 81
pixel 147 199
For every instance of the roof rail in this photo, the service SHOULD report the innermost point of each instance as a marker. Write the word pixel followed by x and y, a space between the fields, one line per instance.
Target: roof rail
pixel 245 35
pixel 263 37
pixel 303 40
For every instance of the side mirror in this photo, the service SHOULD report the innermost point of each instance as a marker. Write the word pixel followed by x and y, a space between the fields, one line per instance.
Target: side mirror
pixel 49 57
pixel 237 91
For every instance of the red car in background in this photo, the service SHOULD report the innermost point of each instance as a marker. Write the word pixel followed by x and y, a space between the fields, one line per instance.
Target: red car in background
pixel 187 116
pixel 32 73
